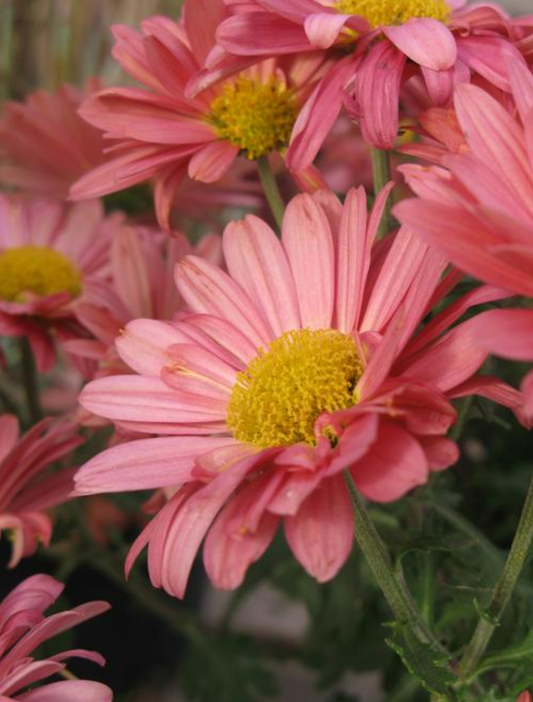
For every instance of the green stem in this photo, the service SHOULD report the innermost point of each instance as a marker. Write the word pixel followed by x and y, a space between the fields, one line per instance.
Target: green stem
pixel 503 590
pixel 462 418
pixel 30 381
pixel 382 175
pixel 391 583
pixel 271 190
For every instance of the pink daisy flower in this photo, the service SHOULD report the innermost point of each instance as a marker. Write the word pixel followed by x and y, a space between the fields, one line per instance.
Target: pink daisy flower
pixel 52 257
pixel 163 134
pixel 479 213
pixel 45 146
pixel 24 627
pixel 439 42
pixel 142 269
pixel 300 362
pixel 26 490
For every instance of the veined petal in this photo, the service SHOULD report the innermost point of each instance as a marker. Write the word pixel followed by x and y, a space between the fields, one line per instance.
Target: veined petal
pixel 425 41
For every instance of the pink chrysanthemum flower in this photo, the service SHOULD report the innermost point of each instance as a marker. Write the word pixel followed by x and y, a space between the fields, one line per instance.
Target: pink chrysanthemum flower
pixel 45 146
pixel 163 134
pixel 24 627
pixel 142 270
pixel 479 213
pixel 52 257
pixel 378 45
pixel 26 490
pixel 296 365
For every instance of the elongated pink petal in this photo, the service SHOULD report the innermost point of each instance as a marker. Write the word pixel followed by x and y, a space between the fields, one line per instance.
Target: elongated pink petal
pixel 261 34
pixel 507 333
pixel 69 690
pixel 144 345
pixel 208 290
pixel 321 534
pixel 9 431
pixel 425 41
pixel 323 29
pixel 145 464
pixel 395 465
pixel 308 241
pixel 256 259
pixel 212 161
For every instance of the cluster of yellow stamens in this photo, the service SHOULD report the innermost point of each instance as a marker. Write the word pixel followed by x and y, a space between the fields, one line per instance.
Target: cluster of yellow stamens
pixel 389 12
pixel 257 117
pixel 282 392
pixel 36 269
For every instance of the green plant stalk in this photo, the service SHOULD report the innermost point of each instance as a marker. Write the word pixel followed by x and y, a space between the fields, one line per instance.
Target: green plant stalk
pixel 391 583
pixel 30 381
pixel 271 190
pixel 382 174
pixel 503 590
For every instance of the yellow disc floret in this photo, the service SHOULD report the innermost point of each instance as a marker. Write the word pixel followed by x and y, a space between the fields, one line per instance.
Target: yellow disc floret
pixel 257 117
pixel 389 12
pixel 282 392
pixel 36 269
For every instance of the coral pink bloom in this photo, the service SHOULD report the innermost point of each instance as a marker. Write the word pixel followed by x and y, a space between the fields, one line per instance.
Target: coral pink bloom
pixel 52 257
pixel 45 146
pixel 26 490
pixel 142 269
pixel 24 627
pixel 524 697
pixel 479 213
pixel 301 362
pixel 161 133
pixel 439 41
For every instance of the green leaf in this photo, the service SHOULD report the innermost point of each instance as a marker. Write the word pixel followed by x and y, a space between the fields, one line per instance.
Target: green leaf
pixel 427 663
pixel 507 657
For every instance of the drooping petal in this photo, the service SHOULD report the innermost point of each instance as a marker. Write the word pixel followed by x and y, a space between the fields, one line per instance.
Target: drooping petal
pixel 425 41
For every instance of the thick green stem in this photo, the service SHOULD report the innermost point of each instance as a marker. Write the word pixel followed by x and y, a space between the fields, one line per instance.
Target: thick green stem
pixel 30 381
pixel 271 190
pixel 391 583
pixel 503 590
pixel 382 175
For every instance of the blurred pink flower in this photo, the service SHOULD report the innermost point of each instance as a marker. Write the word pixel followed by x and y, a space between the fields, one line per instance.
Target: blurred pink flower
pixel 24 627
pixel 45 146
pixel 302 361
pixel 27 489
pixel 440 41
pixel 524 697
pixel 142 270
pixel 164 134
pixel 479 212
pixel 52 258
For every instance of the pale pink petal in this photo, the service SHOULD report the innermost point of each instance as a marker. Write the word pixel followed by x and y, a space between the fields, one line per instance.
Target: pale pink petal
pixel 211 162
pixel 425 41
pixel 321 534
pixel 395 465
pixel 144 345
pixel 507 333
pixel 256 259
pixel 308 241
pixel 323 29
pixel 261 34
pixel 69 690
pixel 522 85
pixel 441 453
pixel 145 464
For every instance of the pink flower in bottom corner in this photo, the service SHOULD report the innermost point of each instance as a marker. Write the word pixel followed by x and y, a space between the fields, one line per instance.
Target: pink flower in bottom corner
pixel 300 362
pixel 524 697
pixel 26 491
pixel 24 627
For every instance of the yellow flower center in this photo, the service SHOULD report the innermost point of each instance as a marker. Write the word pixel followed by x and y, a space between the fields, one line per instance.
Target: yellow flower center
pixel 256 117
pixel 36 269
pixel 388 12
pixel 282 392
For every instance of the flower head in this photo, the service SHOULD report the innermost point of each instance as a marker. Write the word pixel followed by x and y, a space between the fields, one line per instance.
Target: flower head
pixel 24 627
pixel 27 489
pixel 299 363
pixel 376 47
pixel 479 210
pixel 52 258
pixel 45 146
pixel 165 134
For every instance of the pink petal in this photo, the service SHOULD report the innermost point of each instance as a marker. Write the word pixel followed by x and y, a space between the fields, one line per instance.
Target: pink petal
pixel 144 345
pixel 395 465
pixel 145 464
pixel 441 453
pixel 261 34
pixel 9 432
pixel 507 333
pixel 308 241
pixel 425 41
pixel 323 29
pixel 257 261
pixel 212 161
pixel 69 690
pixel 321 534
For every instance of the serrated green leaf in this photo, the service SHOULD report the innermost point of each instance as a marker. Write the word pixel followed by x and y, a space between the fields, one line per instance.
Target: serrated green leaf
pixel 427 663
